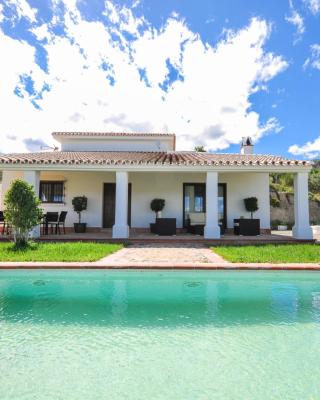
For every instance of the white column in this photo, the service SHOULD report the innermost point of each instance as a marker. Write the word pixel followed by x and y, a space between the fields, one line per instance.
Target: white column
pixel 120 229
pixel 302 228
pixel 33 178
pixel 212 229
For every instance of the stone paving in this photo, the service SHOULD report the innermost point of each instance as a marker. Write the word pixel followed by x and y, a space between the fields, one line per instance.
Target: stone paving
pixel 289 234
pixel 164 253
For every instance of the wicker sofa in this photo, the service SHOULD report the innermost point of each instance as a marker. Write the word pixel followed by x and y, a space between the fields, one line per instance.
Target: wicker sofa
pixel 195 223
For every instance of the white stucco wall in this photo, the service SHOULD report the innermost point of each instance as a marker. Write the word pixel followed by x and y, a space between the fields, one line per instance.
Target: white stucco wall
pixel 76 184
pixel 89 184
pixel 242 185
pixel 169 186
pixel 7 178
pixel 149 185
pixel 118 144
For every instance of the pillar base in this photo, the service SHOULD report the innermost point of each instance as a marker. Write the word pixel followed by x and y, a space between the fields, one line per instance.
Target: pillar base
pixel 120 231
pixel 302 232
pixel 212 232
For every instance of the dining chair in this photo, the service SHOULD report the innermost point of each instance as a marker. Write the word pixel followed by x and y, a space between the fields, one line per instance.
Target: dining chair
pixel 61 222
pixel 2 222
pixel 50 220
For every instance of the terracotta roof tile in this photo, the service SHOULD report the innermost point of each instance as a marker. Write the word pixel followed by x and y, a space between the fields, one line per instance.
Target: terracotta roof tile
pixel 106 134
pixel 146 158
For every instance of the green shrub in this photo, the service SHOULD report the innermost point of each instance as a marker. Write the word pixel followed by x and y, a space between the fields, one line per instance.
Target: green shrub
pixel 274 202
pixel 22 210
pixel 275 223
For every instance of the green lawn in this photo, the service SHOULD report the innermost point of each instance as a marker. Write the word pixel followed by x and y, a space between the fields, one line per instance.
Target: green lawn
pixel 285 253
pixel 75 251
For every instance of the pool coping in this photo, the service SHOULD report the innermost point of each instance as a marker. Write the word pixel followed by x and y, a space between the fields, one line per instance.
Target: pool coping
pixel 160 266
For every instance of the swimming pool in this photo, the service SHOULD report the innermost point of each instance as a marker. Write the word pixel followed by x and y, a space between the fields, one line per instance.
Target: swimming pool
pixel 159 335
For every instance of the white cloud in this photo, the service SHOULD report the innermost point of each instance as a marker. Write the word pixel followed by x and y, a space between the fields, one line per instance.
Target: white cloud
pixel 314 60
pixel 296 19
pixel 313 6
pixel 309 149
pixel 23 9
pixel 1 13
pixel 158 80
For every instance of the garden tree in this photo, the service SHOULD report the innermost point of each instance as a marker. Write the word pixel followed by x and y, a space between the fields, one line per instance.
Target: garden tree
pixel 200 149
pixel 316 163
pixel 283 183
pixel 314 180
pixel 22 210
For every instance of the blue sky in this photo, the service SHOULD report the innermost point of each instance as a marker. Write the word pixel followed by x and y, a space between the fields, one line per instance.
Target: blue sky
pixel 210 71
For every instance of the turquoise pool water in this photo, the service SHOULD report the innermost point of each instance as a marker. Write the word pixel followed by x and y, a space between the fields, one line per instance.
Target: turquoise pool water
pixel 159 335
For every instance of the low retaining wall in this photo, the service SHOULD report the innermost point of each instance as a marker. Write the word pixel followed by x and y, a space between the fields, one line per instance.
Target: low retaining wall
pixel 285 212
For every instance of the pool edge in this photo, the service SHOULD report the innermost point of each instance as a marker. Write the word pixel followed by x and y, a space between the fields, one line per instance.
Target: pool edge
pixel 161 266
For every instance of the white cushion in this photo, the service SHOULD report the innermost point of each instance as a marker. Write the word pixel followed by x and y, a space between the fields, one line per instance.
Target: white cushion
pixel 197 218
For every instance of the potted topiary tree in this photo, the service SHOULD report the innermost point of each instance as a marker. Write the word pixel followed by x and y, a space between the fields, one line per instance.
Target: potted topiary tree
pixel 80 204
pixel 250 227
pixel 157 205
pixel 251 204
pixel 22 211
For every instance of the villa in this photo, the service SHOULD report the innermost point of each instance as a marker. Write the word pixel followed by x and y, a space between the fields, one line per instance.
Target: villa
pixel 121 173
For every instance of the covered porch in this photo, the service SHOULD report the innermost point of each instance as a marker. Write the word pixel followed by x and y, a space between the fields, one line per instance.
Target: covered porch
pixel 119 201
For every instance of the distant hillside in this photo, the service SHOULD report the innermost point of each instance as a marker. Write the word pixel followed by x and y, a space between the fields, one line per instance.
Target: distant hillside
pixel 283 183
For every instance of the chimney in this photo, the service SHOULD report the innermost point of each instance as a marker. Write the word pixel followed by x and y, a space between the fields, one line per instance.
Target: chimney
pixel 246 145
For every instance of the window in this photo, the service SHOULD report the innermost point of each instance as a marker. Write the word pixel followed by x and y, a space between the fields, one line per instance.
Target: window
pixel 51 192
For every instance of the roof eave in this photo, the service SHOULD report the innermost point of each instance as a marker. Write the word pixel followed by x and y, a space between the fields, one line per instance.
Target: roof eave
pixel 140 167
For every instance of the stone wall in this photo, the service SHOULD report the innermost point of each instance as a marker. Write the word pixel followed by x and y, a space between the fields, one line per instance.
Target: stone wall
pixel 285 213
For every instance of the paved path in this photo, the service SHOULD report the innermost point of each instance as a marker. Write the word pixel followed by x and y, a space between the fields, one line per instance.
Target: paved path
pixel 289 234
pixel 164 253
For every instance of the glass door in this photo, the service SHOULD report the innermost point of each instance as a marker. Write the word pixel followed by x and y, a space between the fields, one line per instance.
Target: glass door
pixel 194 201
pixel 222 204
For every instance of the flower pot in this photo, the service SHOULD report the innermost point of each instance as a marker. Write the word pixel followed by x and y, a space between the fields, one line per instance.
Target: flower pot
pixel 282 227
pixel 159 214
pixel 316 229
pixel 80 227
